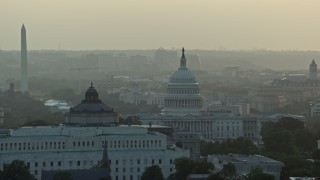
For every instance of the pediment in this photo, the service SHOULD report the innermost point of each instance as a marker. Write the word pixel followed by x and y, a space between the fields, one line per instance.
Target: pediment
pixel 188 117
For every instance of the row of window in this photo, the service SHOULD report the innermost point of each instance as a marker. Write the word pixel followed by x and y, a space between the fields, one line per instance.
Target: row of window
pixel 183 91
pixel 27 146
pixel 92 163
pixel 52 145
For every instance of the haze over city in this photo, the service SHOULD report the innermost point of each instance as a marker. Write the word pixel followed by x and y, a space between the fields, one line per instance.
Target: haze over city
pixel 159 90
pixel 142 24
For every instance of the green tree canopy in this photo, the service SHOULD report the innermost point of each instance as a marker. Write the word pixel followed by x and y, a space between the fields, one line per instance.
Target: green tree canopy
pixel 152 173
pixel 237 146
pixel 229 170
pixel 16 170
pixel 185 166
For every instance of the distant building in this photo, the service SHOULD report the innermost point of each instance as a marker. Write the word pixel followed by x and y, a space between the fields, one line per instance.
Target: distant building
pixel 267 102
pixel 57 106
pixel 231 72
pixel 319 144
pixel 244 164
pixel 194 62
pixel 165 59
pixel 198 176
pixel 313 70
pixel 315 109
pixel 137 97
pixel 137 63
pixel 300 80
pixel 303 178
pixel 1 116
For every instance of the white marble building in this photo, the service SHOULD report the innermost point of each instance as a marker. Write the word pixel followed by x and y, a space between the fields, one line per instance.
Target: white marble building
pixel 183 111
pixel 131 149
pixel 216 128
pixel 80 146
pixel 183 94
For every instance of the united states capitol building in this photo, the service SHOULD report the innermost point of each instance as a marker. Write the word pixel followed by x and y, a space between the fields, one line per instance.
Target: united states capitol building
pixel 79 143
pixel 183 110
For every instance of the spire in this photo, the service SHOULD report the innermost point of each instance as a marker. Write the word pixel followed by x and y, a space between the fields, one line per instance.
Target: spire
pixel 313 62
pixel 91 84
pixel 105 158
pixel 183 60
pixel 183 53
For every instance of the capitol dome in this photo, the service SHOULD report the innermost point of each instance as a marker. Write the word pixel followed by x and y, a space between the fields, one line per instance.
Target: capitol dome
pixel 183 76
pixel 183 95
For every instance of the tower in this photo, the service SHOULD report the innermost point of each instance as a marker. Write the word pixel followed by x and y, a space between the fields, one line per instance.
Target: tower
pixel 24 61
pixel 105 161
pixel 313 70
pixel 183 93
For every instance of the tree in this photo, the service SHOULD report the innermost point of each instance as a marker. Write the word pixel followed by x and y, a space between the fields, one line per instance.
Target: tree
pixel 184 166
pixel 316 155
pixel 257 173
pixel 179 144
pixel 305 140
pixel 202 167
pixel 229 170
pixel 238 146
pixel 16 170
pixel 152 173
pixel 280 141
pixel 62 176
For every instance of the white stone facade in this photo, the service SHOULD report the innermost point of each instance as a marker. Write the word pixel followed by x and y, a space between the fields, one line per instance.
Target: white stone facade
pixel 217 128
pixel 183 94
pixel 131 149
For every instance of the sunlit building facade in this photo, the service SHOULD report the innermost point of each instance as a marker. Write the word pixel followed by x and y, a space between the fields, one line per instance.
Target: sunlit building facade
pixel 79 144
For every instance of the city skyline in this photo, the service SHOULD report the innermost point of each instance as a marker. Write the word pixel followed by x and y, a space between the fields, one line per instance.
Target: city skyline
pixel 274 25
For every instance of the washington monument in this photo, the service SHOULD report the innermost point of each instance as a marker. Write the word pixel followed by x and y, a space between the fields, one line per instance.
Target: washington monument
pixel 24 61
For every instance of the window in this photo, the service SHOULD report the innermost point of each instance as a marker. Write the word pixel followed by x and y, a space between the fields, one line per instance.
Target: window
pixel 36 164
pixel 160 161
pixel 78 163
pixel 138 169
pixel 138 161
pixel 59 163
pixel 44 164
pixel 51 163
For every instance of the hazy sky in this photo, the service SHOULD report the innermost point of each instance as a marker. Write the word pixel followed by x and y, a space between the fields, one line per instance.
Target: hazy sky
pixel 149 24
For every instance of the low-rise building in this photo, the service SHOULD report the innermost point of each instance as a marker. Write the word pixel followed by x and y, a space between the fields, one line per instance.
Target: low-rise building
pixel 244 164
